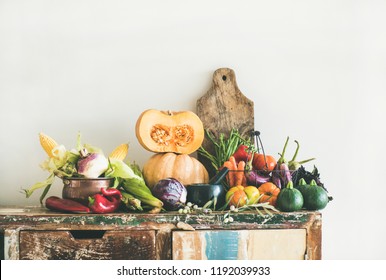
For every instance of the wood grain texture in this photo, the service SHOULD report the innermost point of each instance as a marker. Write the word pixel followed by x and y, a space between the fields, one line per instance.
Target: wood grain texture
pixel 61 245
pixel 23 226
pixel 314 238
pixel 223 108
pixel 278 244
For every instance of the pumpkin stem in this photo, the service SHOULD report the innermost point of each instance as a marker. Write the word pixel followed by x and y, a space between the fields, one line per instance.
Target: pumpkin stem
pixel 302 182
pixel 313 183
pixel 290 185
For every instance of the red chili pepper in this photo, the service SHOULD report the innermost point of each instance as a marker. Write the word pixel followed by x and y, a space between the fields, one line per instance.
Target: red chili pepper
pixel 65 205
pixel 243 153
pixel 106 202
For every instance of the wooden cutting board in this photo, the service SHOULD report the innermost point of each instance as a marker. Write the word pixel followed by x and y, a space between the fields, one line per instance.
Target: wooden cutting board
pixel 224 107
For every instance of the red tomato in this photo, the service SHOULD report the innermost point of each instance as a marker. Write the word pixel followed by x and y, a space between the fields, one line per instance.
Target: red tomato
pixel 266 164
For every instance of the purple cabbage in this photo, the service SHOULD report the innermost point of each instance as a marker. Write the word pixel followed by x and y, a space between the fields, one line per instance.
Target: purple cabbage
pixel 171 192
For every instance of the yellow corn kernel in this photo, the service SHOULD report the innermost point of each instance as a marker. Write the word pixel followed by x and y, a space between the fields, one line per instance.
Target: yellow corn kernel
pixel 47 143
pixel 120 152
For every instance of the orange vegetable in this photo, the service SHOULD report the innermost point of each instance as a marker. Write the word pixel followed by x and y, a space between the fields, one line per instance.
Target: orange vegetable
pixel 230 177
pixel 269 192
pixel 236 174
pixel 239 196
pixel 239 174
pixel 263 163
pixel 177 132
pixel 185 168
pixel 232 159
pixel 236 196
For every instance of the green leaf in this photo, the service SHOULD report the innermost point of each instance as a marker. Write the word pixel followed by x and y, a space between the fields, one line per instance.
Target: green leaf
pixel 136 169
pixel 258 211
pixel 79 145
pixel 44 184
pixel 92 149
pixel 208 204
pixel 121 170
pixel 43 195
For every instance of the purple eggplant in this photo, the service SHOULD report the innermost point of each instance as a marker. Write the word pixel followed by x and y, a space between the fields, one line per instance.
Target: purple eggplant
pixel 254 178
pixel 285 174
pixel 281 175
pixel 275 178
pixel 171 192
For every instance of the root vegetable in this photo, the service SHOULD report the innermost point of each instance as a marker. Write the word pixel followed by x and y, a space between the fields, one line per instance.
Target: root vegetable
pixel 92 165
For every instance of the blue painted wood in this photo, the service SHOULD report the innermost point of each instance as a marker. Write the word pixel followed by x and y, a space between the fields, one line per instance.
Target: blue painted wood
pixel 222 245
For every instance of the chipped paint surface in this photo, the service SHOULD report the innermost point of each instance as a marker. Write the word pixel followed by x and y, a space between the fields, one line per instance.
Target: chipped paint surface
pixel 270 244
pixel 130 219
pixel 11 244
pixel 38 219
pixel 222 245
pixel 47 245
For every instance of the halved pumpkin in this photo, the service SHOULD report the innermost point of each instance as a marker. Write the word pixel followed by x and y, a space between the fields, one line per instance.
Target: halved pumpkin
pixel 186 169
pixel 177 132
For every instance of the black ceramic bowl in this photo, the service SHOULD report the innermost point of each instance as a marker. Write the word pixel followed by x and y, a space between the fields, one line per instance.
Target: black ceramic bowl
pixel 200 194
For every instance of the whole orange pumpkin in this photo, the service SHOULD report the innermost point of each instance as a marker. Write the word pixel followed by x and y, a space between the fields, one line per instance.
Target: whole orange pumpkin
pixel 186 169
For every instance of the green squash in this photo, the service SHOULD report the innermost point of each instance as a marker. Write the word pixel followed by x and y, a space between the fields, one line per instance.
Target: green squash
pixel 289 199
pixel 302 186
pixel 315 197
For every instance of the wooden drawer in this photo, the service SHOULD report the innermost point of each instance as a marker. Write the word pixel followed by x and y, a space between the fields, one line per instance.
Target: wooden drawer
pixel 87 244
pixel 270 244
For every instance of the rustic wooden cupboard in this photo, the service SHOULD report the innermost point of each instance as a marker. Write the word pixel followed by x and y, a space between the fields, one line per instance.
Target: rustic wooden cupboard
pixel 38 233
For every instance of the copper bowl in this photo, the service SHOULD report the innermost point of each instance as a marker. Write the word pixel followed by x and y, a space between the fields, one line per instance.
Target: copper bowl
pixel 79 189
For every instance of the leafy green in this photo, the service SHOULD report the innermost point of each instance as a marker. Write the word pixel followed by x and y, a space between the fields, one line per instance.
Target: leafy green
pixel 44 184
pixel 224 146
pixel 122 172
pixel 130 178
pixel 120 169
pixel 136 169
pixel 62 164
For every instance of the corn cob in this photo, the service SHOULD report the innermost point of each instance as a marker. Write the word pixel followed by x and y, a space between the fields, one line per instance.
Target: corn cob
pixel 155 210
pixel 120 152
pixel 47 143
pixel 140 191
pixel 131 202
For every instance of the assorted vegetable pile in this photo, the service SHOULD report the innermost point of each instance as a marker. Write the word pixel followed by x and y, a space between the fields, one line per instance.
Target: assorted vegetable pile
pixel 286 185
pixel 254 180
pixel 129 190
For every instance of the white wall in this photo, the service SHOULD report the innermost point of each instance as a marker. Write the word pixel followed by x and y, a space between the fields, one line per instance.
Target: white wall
pixel 316 71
